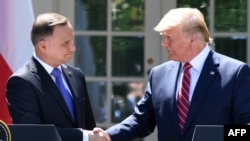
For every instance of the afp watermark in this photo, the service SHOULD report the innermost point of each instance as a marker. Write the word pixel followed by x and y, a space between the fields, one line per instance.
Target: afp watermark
pixel 237 132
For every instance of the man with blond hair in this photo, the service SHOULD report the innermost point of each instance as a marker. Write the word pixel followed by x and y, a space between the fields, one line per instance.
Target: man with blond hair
pixel 198 86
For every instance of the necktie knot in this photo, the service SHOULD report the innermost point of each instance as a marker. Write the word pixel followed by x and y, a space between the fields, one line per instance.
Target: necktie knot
pixel 56 72
pixel 187 66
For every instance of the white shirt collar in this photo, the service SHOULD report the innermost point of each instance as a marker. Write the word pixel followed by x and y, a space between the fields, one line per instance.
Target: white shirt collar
pixel 47 67
pixel 198 61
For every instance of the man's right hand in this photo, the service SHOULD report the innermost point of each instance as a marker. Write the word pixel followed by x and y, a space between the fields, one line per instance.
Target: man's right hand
pixel 97 136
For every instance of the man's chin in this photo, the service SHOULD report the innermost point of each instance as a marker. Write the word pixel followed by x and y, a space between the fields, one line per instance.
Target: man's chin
pixel 67 59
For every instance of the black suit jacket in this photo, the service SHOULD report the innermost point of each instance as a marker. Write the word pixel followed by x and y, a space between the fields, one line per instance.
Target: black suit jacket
pixel 33 98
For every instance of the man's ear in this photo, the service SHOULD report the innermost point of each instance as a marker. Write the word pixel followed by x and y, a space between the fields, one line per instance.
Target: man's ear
pixel 42 45
pixel 193 38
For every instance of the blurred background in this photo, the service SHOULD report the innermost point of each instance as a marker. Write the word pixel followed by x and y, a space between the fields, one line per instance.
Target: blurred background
pixel 116 45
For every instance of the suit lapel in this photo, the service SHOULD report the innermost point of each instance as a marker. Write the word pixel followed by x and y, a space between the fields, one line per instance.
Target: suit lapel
pixel 170 90
pixel 73 87
pixel 207 77
pixel 68 76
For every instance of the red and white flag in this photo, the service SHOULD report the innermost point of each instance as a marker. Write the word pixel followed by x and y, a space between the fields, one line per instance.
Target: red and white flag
pixel 16 18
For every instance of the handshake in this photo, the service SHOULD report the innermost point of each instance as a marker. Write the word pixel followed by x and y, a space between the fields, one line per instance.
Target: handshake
pixel 98 134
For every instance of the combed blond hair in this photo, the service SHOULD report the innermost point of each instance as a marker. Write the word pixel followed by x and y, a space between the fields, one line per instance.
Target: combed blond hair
pixel 189 20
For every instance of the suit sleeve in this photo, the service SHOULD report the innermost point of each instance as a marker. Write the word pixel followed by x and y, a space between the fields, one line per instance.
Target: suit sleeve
pixel 241 100
pixel 139 124
pixel 24 107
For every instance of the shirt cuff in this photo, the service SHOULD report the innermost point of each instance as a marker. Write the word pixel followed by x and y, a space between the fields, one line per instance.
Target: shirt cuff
pixel 85 135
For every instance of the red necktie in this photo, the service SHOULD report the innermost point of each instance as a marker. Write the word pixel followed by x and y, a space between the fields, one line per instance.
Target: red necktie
pixel 183 96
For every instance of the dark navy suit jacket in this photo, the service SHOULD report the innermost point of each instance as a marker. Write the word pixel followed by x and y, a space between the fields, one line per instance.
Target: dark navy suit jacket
pixel 221 96
pixel 33 98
